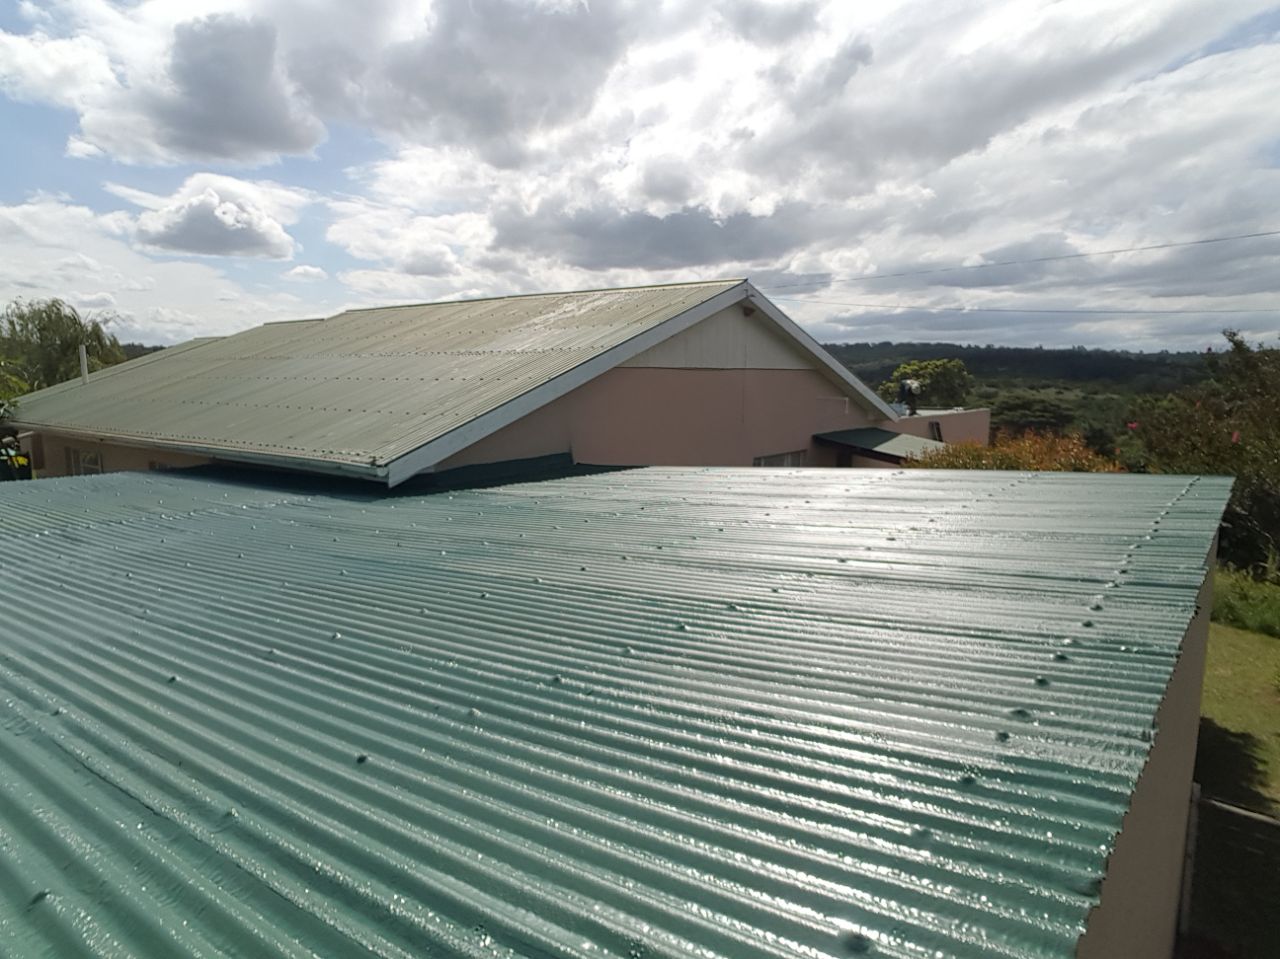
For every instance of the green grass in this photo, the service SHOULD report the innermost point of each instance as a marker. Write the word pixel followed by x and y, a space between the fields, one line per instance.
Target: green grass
pixel 1237 867
pixel 1243 602
pixel 1239 755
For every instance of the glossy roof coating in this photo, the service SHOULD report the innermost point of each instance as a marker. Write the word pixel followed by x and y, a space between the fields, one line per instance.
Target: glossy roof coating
pixel 364 389
pixel 876 440
pixel 740 713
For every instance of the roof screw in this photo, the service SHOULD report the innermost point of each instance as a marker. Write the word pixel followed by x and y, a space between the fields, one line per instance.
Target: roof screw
pixel 858 944
pixel 362 758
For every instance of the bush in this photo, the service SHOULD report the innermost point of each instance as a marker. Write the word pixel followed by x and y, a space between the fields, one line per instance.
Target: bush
pixel 1226 425
pixel 1241 601
pixel 1046 452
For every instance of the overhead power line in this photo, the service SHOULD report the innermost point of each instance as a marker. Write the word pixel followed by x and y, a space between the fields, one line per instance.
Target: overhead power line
pixel 1031 260
pixel 922 308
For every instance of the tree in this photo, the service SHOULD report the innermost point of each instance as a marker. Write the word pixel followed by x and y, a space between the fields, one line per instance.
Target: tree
pixel 42 340
pixel 1226 424
pixel 942 382
pixel 1043 452
pixel 1017 411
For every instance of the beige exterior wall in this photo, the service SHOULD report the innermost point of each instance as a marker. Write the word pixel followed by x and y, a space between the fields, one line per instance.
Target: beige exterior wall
pixel 728 340
pixel 1138 912
pixel 684 417
pixel 50 451
pixel 722 393
pixel 958 426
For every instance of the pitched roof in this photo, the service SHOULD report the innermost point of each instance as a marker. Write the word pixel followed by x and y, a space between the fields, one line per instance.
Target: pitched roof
pixel 872 439
pixel 387 392
pixel 673 712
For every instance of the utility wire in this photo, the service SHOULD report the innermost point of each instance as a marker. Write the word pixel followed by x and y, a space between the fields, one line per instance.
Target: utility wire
pixel 1013 309
pixel 1038 259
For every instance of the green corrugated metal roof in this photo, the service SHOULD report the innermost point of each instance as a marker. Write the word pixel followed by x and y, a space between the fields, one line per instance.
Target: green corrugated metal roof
pixel 874 440
pixel 658 712
pixel 360 389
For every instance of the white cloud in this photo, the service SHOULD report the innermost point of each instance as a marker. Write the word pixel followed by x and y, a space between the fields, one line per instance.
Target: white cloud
pixel 304 273
pixel 536 145
pixel 49 247
pixel 93 301
pixel 208 225
pixel 213 215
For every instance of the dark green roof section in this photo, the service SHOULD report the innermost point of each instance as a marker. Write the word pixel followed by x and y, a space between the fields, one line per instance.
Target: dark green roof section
pixel 872 439
pixel 669 712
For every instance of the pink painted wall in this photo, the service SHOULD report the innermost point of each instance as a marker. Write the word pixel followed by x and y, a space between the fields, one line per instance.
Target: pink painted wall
pixel 50 452
pixel 958 426
pixel 679 417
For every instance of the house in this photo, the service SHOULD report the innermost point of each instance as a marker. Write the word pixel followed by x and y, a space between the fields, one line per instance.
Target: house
pixel 665 712
pixel 688 374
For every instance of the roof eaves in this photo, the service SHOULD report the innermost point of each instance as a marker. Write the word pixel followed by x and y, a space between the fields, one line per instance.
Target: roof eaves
pixel 290 461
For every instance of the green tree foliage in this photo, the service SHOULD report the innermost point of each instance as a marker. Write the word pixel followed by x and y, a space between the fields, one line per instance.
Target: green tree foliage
pixel 1125 371
pixel 1017 411
pixel 1028 451
pixel 942 382
pixel 1227 424
pixel 42 339
pixel 11 386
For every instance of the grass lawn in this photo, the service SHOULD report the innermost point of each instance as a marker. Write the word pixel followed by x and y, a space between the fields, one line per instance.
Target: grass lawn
pixel 1238 759
pixel 1236 886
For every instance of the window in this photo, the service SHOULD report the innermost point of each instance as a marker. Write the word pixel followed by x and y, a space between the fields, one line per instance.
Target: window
pixel 795 458
pixel 935 430
pixel 83 462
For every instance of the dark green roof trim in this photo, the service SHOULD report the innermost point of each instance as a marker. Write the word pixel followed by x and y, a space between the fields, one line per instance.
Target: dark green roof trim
pixel 738 713
pixel 872 439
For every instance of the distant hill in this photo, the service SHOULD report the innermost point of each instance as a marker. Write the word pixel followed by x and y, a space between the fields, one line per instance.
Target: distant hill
pixel 1121 370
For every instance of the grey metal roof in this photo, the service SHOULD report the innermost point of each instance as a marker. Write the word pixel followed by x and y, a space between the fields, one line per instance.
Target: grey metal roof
pixel 875 440
pixel 360 390
pixel 660 712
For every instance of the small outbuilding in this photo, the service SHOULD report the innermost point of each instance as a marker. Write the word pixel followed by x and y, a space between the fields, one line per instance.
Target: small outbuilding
pixel 734 713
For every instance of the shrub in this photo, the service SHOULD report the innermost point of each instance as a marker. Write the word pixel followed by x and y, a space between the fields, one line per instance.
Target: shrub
pixel 1029 451
pixel 1244 602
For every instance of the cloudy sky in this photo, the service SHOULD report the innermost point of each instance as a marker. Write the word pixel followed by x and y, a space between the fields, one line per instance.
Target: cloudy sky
pixel 200 166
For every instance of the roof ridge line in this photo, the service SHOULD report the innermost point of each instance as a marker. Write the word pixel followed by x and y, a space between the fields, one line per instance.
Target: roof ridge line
pixel 525 296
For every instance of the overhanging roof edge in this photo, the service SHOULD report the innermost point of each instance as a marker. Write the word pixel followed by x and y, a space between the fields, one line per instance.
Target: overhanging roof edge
pixel 854 386
pixel 442 447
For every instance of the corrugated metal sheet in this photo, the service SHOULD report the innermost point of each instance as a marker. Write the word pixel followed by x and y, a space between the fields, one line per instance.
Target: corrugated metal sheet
pixel 363 387
pixel 875 440
pixel 647 713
